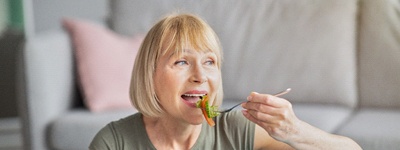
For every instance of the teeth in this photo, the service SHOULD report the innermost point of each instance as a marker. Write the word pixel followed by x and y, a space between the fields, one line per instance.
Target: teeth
pixel 194 94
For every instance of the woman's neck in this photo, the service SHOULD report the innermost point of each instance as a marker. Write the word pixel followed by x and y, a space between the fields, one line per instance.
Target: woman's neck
pixel 165 133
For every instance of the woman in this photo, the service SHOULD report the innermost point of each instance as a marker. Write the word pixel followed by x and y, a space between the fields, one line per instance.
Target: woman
pixel 178 63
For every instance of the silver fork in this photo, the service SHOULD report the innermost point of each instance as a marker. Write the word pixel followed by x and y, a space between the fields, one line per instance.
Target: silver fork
pixel 277 94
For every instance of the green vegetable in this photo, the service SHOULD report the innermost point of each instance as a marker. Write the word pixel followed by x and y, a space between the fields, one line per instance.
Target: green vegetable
pixel 211 111
pixel 198 103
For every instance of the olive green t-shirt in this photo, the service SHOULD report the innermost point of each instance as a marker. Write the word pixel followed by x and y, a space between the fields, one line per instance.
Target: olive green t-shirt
pixel 231 131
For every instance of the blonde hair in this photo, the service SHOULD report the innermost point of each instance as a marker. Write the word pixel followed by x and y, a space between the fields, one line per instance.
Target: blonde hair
pixel 173 33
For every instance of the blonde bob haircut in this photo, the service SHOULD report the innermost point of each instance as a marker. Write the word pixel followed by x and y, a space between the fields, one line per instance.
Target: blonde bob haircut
pixel 173 33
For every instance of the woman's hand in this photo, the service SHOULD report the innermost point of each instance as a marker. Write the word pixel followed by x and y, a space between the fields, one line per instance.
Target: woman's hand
pixel 273 114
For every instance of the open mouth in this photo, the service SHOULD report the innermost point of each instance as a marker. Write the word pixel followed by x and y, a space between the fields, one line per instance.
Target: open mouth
pixel 192 98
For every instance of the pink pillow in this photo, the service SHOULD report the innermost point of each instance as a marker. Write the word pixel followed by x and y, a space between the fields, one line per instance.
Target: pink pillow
pixel 104 61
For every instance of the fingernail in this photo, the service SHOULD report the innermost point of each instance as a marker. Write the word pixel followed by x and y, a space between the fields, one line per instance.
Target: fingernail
pixel 249 98
pixel 244 112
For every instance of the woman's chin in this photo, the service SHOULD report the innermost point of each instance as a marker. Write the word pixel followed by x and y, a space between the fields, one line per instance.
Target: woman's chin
pixel 196 120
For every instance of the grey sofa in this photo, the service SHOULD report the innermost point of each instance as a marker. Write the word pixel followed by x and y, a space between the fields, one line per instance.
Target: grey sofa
pixel 340 57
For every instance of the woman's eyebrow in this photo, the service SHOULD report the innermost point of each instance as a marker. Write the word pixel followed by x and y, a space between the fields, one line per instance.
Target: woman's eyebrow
pixel 187 51
pixel 183 51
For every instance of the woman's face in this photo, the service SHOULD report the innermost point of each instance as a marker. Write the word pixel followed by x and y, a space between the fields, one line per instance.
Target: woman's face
pixel 180 81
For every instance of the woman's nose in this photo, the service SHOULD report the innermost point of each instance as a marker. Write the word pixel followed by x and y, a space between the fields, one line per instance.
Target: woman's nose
pixel 198 75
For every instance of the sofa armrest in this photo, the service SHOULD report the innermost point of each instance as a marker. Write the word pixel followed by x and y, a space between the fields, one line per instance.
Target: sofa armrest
pixel 48 84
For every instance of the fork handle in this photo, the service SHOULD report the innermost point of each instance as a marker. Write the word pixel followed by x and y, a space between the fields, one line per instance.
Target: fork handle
pixel 283 92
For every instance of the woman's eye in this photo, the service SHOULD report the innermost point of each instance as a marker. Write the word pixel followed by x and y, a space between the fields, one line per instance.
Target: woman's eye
pixel 210 62
pixel 181 62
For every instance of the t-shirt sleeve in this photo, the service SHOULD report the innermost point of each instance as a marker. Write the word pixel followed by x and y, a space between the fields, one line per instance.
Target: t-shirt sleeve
pixel 234 124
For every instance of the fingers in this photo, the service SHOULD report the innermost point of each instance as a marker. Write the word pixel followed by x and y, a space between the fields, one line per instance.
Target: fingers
pixel 261 107
pixel 266 107
pixel 272 113
pixel 277 128
pixel 261 118
pixel 265 113
pixel 251 118
pixel 267 100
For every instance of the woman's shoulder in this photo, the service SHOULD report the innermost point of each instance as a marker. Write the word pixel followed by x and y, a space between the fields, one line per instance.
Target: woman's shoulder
pixel 126 123
pixel 117 133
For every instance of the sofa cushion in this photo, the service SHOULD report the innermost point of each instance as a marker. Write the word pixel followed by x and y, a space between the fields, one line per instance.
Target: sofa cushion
pixel 379 53
pixel 324 117
pixel 374 129
pixel 269 45
pixel 76 129
pixel 104 63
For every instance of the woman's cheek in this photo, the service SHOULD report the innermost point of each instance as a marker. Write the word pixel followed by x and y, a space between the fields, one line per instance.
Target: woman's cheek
pixel 215 79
